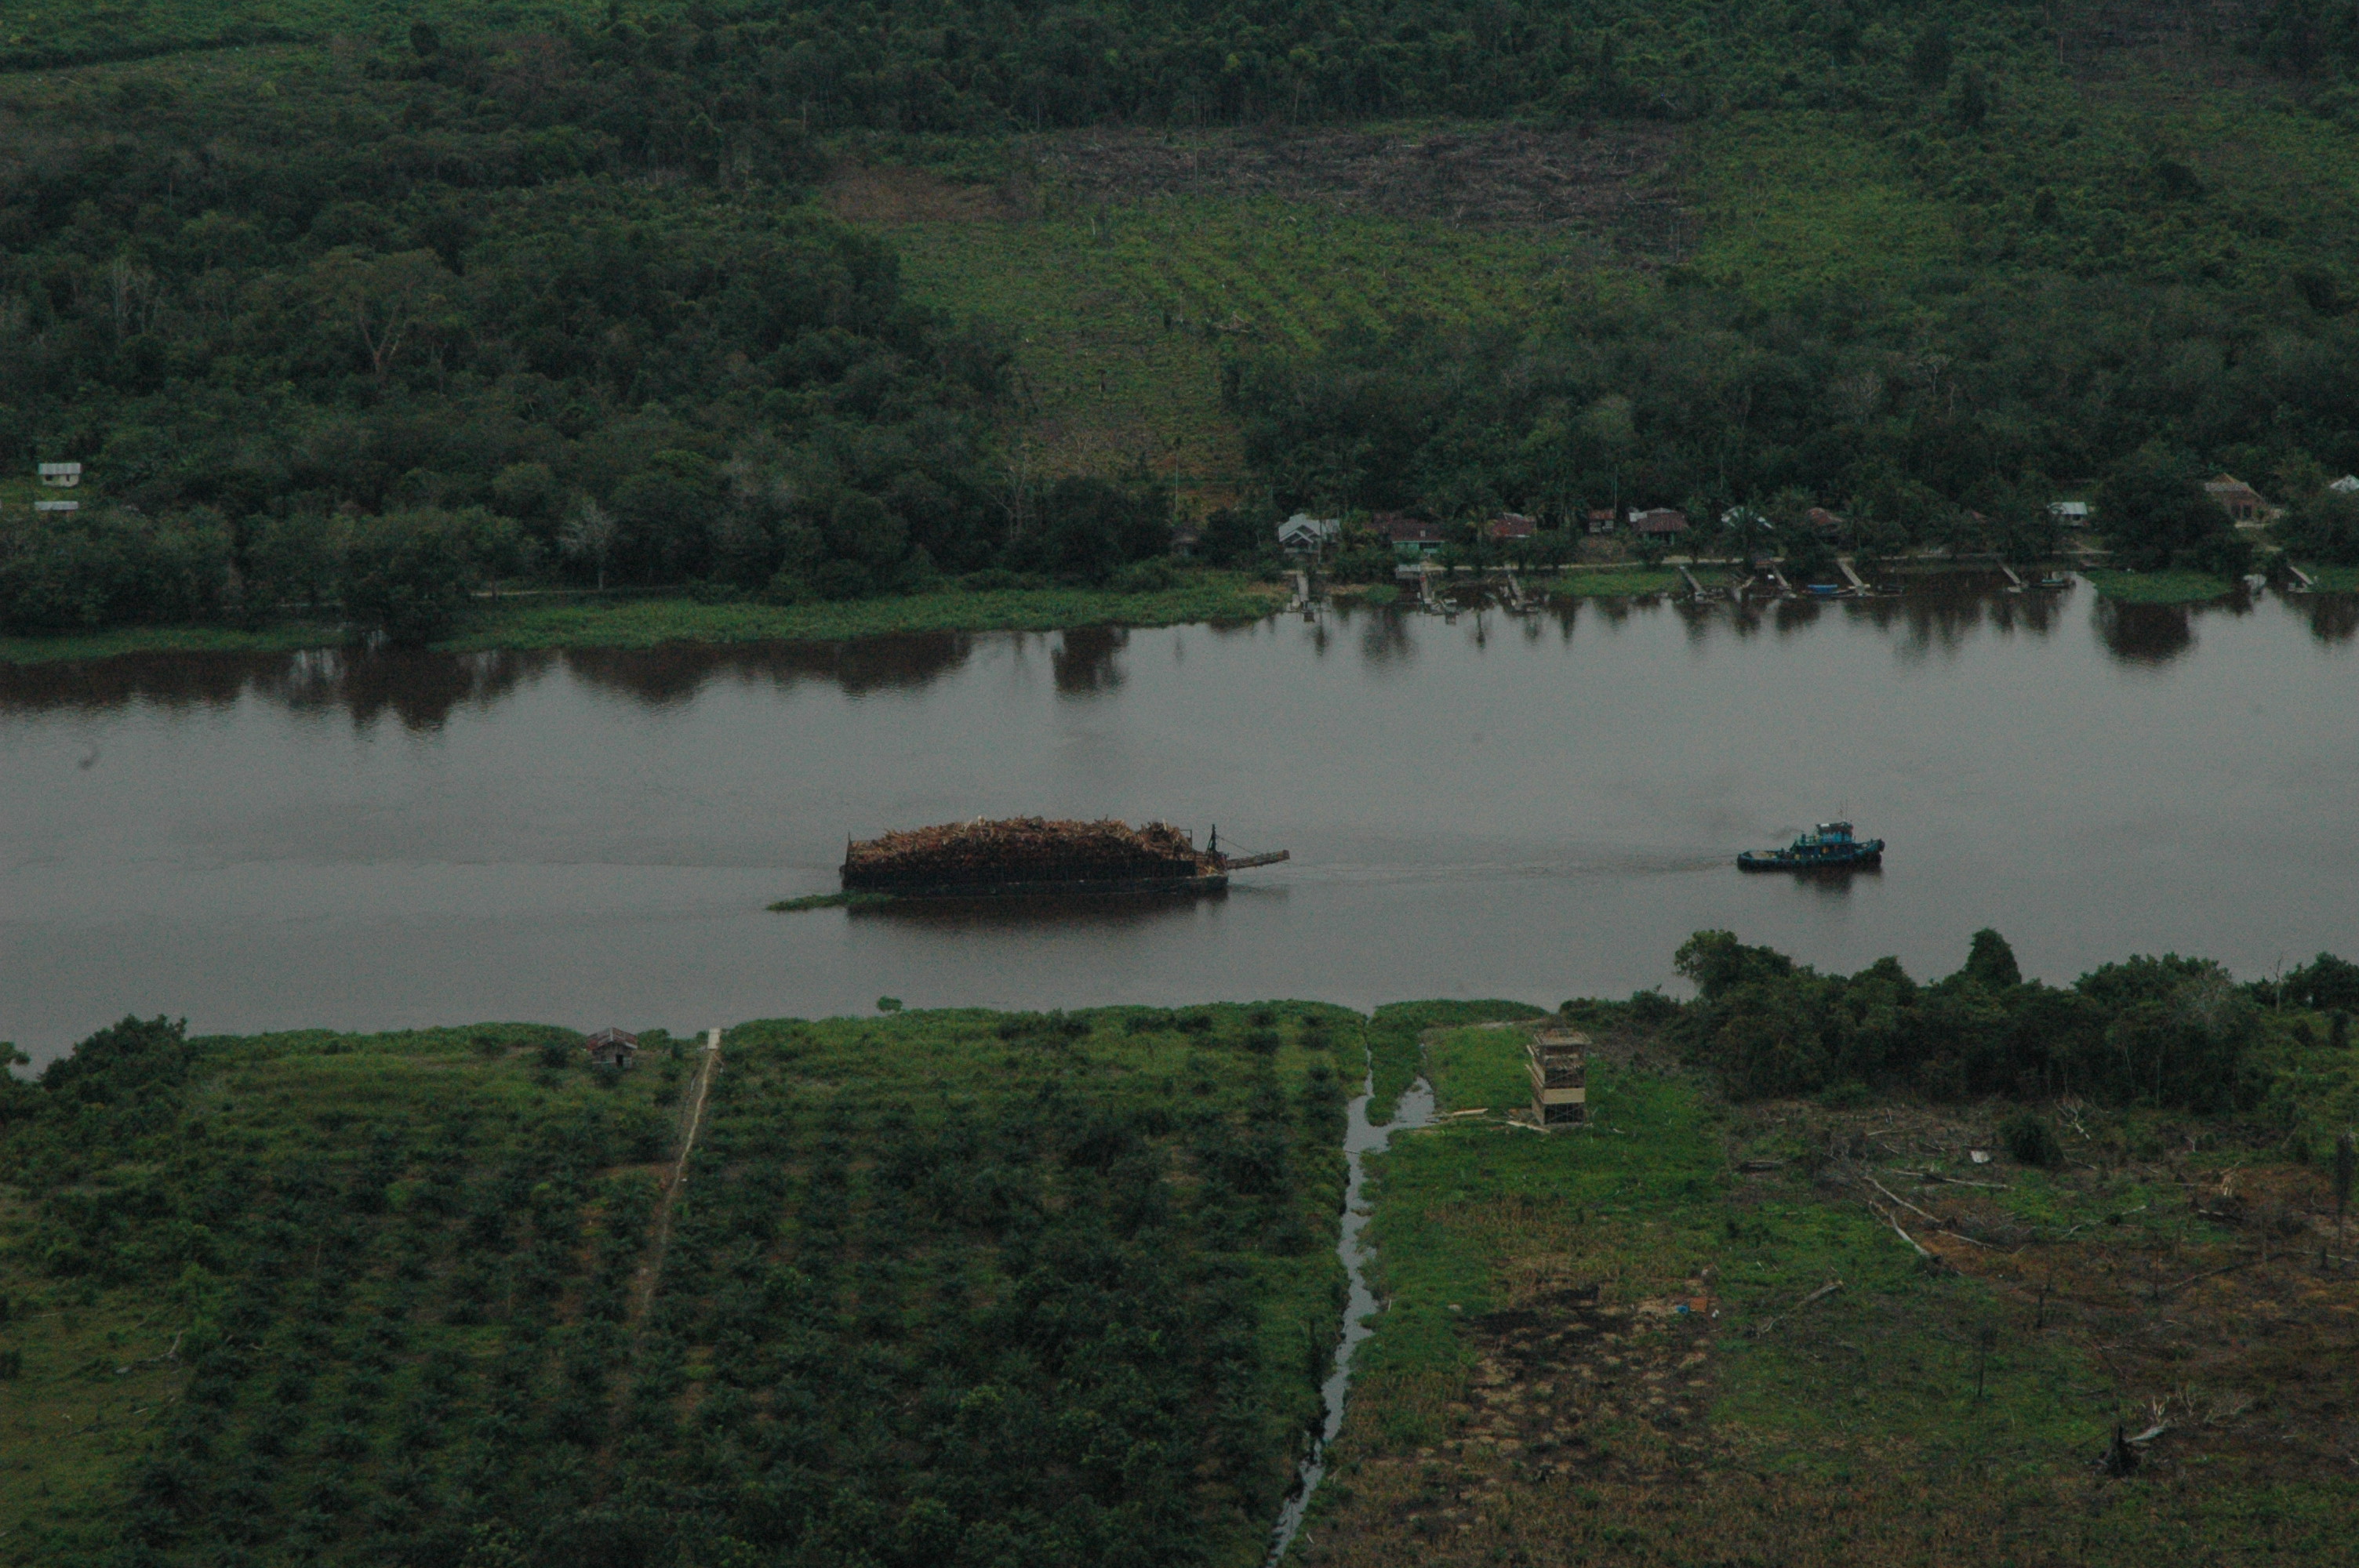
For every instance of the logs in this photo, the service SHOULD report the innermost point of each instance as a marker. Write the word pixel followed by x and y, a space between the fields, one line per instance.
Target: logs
pixel 1028 850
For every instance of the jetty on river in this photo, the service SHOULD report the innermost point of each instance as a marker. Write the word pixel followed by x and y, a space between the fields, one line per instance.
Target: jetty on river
pixel 1031 855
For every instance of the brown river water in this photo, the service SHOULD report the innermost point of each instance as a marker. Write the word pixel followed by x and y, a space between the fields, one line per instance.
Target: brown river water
pixel 1535 807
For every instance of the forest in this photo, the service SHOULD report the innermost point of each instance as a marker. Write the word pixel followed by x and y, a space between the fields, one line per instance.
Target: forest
pixel 2169 1031
pixel 445 315
pixel 359 323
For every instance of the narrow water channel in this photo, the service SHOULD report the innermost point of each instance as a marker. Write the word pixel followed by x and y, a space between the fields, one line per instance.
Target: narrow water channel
pixel 1361 1139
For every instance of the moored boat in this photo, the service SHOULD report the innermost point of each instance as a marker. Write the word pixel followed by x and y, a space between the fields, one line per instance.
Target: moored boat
pixel 1828 844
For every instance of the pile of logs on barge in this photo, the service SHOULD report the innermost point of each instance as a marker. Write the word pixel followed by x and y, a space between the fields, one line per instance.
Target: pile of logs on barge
pixel 1028 855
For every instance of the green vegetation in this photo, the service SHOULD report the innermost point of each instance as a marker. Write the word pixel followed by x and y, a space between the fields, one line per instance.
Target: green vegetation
pixel 1396 1031
pixel 945 1287
pixel 1159 598
pixel 1693 1331
pixel 421 297
pixel 2159 588
pixel 2168 1032
pixel 942 1286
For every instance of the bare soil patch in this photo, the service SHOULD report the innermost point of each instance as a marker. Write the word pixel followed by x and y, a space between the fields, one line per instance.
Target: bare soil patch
pixel 1608 179
pixel 886 194
pixel 2219 1304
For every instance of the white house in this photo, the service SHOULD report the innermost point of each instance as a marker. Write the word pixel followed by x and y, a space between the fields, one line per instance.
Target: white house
pixel 1305 534
pixel 64 476
pixel 2071 514
pixel 2347 485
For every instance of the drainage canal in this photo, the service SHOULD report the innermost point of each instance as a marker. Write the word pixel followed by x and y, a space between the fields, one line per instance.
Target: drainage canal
pixel 1360 1140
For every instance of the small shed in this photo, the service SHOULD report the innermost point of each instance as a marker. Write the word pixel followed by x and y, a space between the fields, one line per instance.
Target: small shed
pixel 611 1047
pixel 64 476
pixel 1601 519
pixel 1559 1058
pixel 2070 514
pixel 1658 521
pixel 1304 534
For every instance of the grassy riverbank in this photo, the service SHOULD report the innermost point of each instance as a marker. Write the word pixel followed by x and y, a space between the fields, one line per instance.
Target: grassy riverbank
pixel 645 622
pixel 2159 588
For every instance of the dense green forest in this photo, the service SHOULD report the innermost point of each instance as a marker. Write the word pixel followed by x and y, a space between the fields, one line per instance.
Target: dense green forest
pixel 948 1288
pixel 2169 1031
pixel 422 298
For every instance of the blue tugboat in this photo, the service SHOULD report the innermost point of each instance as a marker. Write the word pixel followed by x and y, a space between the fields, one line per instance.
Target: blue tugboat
pixel 1828 845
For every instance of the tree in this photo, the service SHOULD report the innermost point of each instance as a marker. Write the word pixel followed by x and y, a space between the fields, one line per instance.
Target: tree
pixel 386 299
pixel 2322 529
pixel 406 574
pixel 2155 513
pixel 1990 962
pixel 1930 56
pixel 590 534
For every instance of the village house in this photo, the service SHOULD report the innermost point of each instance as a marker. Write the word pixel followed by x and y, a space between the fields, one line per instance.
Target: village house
pixel 1659 523
pixel 1513 526
pixel 2070 514
pixel 1601 520
pixel 1411 536
pixel 1304 534
pixel 610 1047
pixel 63 476
pixel 1824 521
pixel 2236 498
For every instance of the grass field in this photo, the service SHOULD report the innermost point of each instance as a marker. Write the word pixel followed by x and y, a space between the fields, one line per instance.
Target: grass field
pixel 1611 1343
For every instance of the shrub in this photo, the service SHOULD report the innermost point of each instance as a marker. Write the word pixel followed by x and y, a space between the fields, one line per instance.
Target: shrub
pixel 2029 1140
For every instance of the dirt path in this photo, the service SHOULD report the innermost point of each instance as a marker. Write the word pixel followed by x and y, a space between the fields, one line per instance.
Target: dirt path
pixel 643 1288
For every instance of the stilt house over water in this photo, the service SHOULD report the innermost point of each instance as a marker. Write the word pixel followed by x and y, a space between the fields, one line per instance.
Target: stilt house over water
pixel 1560 1063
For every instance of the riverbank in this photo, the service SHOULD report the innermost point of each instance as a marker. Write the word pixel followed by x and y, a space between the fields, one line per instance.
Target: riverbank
pixel 2159 588
pixel 644 622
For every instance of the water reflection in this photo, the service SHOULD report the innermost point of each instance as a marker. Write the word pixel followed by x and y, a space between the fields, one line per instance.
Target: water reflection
pixel 1083 660
pixel 2332 617
pixel 1099 912
pixel 1940 615
pixel 2145 635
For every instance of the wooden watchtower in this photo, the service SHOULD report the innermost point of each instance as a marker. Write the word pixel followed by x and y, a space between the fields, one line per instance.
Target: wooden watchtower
pixel 1559 1063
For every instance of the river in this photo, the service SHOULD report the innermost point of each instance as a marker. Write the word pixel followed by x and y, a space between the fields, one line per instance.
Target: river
pixel 1535 807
